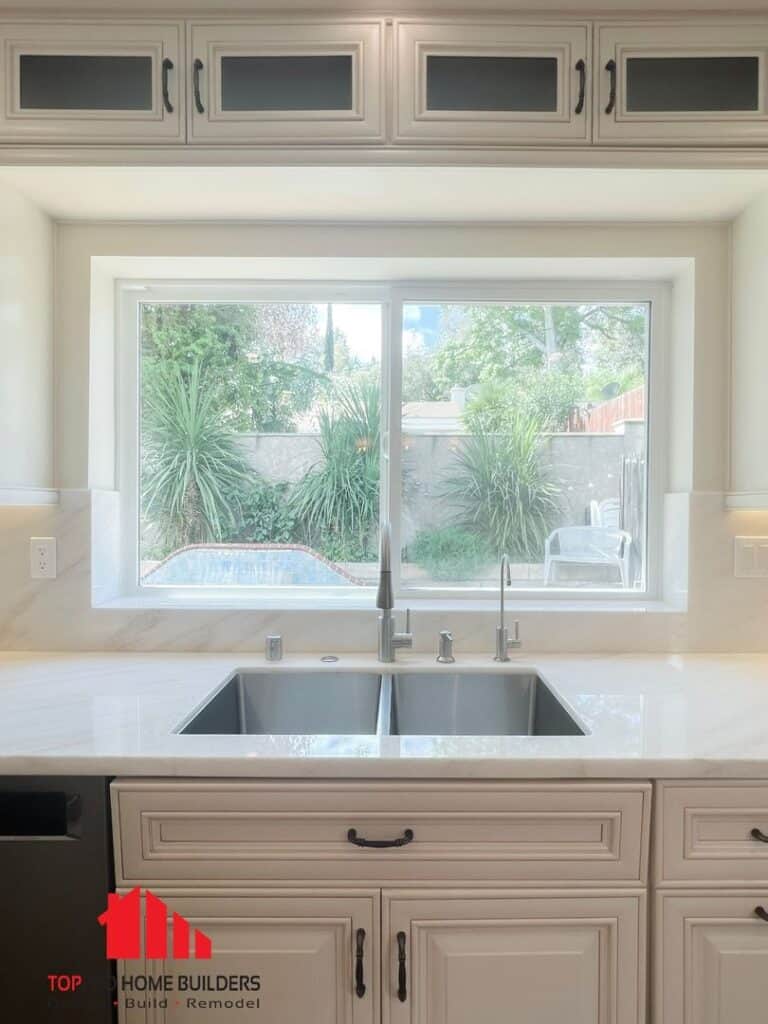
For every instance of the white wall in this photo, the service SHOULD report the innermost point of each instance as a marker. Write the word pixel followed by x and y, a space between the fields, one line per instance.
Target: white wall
pixel 723 613
pixel 749 431
pixel 26 344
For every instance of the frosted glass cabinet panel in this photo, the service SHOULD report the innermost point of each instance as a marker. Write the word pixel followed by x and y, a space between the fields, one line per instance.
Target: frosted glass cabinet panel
pixel 475 82
pixel 81 81
pixel 308 82
pixel 683 84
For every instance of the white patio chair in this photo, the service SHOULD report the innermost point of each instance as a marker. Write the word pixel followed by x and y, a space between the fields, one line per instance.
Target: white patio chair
pixel 587 545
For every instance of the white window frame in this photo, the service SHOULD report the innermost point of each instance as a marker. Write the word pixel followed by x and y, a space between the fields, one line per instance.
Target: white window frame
pixel 391 296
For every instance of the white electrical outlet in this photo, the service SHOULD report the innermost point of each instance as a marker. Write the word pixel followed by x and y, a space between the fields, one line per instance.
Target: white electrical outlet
pixel 750 557
pixel 42 558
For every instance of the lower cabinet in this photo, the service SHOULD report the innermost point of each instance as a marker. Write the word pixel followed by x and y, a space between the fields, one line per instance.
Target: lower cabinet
pixel 434 957
pixel 283 957
pixel 711 958
pixel 496 957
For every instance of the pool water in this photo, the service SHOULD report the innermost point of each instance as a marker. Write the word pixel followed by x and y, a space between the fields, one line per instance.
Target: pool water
pixel 246 566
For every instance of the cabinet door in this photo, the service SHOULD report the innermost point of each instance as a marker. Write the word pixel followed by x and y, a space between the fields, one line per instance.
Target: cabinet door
pixel 683 84
pixel 711 956
pixel 309 83
pixel 480 82
pixel 87 82
pixel 299 953
pixel 535 958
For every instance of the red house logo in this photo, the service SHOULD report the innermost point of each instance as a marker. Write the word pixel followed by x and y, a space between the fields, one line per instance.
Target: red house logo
pixel 122 919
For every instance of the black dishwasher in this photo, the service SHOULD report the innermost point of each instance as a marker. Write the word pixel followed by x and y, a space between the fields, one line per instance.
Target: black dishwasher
pixel 55 874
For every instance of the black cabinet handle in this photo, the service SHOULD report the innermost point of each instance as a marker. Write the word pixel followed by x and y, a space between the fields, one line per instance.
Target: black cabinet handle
pixel 761 837
pixel 610 67
pixel 762 913
pixel 197 67
pixel 581 67
pixel 402 970
pixel 167 66
pixel 379 844
pixel 359 966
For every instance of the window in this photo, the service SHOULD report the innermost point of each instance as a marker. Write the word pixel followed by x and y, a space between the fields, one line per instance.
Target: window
pixel 267 430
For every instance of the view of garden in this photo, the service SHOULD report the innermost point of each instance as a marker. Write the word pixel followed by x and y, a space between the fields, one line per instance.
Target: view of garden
pixel 260 434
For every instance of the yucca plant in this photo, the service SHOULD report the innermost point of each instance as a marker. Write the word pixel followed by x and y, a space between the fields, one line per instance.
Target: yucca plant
pixel 500 491
pixel 337 501
pixel 192 468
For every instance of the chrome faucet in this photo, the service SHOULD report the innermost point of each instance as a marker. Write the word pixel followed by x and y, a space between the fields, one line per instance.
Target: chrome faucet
pixel 389 638
pixel 505 643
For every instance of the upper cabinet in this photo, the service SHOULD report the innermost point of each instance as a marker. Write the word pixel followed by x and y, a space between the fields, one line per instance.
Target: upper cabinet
pixel 87 81
pixel 480 82
pixel 310 82
pixel 683 84
pixel 446 83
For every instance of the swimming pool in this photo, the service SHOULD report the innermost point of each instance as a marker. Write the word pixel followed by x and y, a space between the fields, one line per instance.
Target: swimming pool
pixel 247 565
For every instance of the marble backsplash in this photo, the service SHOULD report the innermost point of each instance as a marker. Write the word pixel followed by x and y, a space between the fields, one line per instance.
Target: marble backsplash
pixel 724 614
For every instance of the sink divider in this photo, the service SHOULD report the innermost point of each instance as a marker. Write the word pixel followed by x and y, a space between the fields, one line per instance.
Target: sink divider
pixel 384 715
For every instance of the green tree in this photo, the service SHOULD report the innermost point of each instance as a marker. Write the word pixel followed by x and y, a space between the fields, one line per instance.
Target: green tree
pixel 262 360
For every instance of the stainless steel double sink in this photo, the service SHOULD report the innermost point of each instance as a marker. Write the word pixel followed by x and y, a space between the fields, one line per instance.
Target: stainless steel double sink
pixel 255 702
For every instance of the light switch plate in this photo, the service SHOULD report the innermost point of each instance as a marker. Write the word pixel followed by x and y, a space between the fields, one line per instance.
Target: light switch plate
pixel 42 558
pixel 750 557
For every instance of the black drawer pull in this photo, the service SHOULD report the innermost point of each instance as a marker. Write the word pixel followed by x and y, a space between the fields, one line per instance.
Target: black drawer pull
pixel 167 67
pixel 761 837
pixel 610 67
pixel 359 968
pixel 762 913
pixel 197 67
pixel 379 844
pixel 402 972
pixel 581 67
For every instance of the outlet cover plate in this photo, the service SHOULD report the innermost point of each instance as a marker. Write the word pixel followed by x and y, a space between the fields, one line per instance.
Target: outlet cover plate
pixel 750 557
pixel 42 558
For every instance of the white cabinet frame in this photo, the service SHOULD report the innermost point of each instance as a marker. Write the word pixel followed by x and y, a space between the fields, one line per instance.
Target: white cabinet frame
pixel 362 40
pixel 417 40
pixel 732 38
pixel 157 41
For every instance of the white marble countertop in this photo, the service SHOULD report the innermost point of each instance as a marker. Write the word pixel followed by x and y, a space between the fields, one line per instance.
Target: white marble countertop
pixel 648 716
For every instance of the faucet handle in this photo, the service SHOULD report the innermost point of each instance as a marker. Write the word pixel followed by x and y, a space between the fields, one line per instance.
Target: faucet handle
pixel 408 620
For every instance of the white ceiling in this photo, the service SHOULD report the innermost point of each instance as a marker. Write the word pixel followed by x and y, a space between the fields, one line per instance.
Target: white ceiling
pixel 489 194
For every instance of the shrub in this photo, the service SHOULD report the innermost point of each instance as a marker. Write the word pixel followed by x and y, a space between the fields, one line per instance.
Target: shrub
pixel 191 465
pixel 450 553
pixel 265 515
pixel 500 492
pixel 337 502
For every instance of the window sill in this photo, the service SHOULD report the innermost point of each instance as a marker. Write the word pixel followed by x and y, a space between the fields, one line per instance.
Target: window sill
pixel 248 603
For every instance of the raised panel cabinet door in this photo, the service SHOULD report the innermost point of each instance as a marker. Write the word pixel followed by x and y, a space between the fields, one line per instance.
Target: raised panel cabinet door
pixel 481 82
pixel 527 957
pixel 80 81
pixel 701 82
pixel 311 82
pixel 711 958
pixel 274 958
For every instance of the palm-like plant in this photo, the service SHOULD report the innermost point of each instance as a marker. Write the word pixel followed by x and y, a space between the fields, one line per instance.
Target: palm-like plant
pixel 338 500
pixel 192 469
pixel 500 491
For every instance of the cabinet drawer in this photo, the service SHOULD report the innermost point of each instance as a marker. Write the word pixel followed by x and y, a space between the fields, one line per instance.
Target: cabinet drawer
pixel 484 832
pixel 704 832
